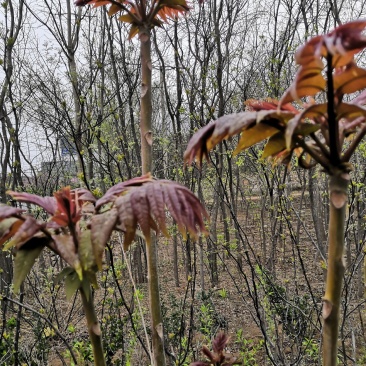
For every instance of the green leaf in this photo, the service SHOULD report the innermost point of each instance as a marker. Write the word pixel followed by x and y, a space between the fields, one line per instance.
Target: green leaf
pixel 126 18
pixel 72 284
pixel 65 272
pixel 86 254
pixel 254 135
pixel 86 288
pixel 25 258
pixel 274 145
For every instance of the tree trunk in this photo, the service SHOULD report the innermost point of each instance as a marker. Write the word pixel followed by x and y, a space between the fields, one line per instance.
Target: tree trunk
pixel 146 162
pixel 332 299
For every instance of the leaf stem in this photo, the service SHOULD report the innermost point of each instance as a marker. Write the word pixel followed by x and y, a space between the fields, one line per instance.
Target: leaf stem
pixel 94 330
pixel 351 149
pixel 332 119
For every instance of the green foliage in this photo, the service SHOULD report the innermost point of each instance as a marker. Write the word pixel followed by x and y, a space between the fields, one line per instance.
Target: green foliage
pixel 249 349
pixel 83 352
pixel 293 310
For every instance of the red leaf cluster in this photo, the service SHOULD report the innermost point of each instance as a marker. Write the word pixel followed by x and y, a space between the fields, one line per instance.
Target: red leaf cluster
pixel 139 13
pixel 304 132
pixel 217 357
pixel 142 202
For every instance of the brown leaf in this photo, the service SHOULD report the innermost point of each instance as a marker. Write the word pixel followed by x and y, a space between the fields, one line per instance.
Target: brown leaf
pixel 127 219
pixel 308 82
pixel 133 31
pixel 350 111
pixel 343 43
pixel 102 226
pixel 65 247
pixel 126 18
pixel 115 8
pixel 145 206
pixel 350 79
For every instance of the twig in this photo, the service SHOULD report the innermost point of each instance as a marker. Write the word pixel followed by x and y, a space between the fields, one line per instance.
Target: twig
pixel 5 298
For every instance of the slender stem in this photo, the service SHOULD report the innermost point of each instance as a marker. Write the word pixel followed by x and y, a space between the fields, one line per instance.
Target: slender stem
pixel 146 106
pixel 332 119
pixel 331 302
pixel 155 308
pixel 351 149
pixel 95 333
pixel 320 144
pixel 146 158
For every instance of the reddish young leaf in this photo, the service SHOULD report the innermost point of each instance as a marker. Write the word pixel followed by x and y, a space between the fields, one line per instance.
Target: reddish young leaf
pixel 137 16
pixel 68 211
pixel 156 201
pixel 342 43
pixel 220 342
pixel 140 208
pixel 308 82
pixel 83 195
pixel 227 126
pixel 25 232
pixel 47 203
pixel 65 248
pixel 102 226
pixel 127 219
pixel 115 191
pixel 144 205
pixel 8 228
pixel 360 99
pixel 349 79
pixel 268 104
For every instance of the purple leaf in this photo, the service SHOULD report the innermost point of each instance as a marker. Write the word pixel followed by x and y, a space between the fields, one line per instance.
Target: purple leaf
pixel 47 203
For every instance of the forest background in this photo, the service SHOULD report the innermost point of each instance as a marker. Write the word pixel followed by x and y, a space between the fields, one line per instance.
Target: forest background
pixel 69 110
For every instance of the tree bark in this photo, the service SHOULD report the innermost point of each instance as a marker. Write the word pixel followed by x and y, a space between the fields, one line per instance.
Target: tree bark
pixel 332 299
pixel 146 162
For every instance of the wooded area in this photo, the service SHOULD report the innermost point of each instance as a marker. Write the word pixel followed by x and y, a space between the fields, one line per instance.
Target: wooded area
pixel 70 115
